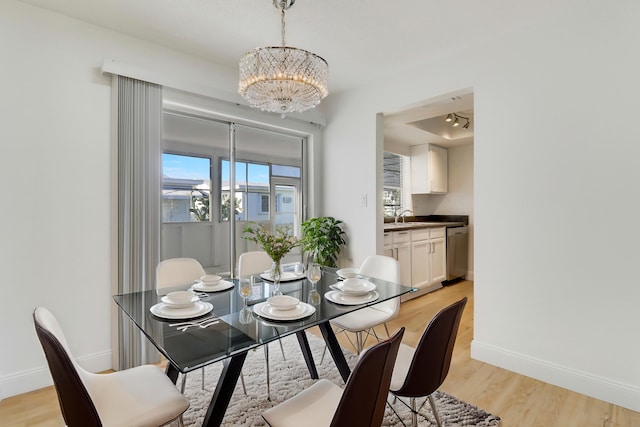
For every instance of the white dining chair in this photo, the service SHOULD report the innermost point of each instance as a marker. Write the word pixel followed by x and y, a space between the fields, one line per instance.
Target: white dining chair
pixel 253 262
pixel 249 264
pixel 142 396
pixel 178 274
pixel 361 322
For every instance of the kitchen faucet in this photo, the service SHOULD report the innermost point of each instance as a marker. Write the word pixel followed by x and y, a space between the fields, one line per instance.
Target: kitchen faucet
pixel 401 215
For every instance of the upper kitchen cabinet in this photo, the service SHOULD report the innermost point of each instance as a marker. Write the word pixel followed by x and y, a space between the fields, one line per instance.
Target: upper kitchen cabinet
pixel 428 169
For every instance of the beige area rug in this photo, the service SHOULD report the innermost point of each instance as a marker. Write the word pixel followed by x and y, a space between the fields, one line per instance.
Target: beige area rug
pixel 290 376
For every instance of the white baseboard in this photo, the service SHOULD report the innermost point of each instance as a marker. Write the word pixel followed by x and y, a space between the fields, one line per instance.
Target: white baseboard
pixel 25 381
pixel 618 393
pixel 37 378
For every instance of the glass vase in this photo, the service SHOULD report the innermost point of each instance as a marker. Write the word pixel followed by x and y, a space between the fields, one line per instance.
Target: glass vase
pixel 276 274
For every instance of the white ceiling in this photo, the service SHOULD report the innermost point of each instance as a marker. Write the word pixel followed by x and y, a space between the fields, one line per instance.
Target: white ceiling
pixel 360 39
pixel 423 124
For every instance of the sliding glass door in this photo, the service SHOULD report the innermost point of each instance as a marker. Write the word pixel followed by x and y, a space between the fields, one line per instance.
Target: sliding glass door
pixel 217 177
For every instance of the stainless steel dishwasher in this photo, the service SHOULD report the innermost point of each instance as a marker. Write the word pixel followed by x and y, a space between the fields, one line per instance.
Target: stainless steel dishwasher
pixel 457 252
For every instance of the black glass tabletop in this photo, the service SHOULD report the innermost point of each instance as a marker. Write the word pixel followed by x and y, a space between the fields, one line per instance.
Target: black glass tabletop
pixel 241 328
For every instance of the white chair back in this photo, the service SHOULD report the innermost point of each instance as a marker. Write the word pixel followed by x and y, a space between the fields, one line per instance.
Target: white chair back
pixel 47 321
pixel 253 262
pixel 384 268
pixel 381 267
pixel 177 274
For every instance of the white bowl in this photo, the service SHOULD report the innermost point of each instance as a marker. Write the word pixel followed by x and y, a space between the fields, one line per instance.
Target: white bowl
pixel 347 273
pixel 210 279
pixel 353 284
pixel 283 302
pixel 180 299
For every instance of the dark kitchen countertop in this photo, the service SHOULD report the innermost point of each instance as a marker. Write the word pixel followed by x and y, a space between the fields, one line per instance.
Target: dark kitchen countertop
pixel 412 225
pixel 428 221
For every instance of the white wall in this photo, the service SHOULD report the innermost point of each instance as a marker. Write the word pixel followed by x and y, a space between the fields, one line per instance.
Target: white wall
pixel 55 131
pixel 556 171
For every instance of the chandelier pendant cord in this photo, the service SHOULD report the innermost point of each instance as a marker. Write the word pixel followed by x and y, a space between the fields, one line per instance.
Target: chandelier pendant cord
pixel 282 4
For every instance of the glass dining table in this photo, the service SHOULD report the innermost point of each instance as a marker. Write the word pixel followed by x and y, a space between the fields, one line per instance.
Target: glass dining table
pixel 241 329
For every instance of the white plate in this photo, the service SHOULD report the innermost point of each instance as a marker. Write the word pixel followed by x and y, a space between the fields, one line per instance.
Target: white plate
pixel 165 312
pixel 222 285
pixel 342 299
pixel 171 304
pixel 301 311
pixel 287 276
pixel 366 288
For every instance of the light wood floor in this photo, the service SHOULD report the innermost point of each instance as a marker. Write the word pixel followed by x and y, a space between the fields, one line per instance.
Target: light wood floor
pixel 520 401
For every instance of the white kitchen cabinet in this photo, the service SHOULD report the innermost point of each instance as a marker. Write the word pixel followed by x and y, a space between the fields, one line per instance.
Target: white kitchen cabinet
pixel 438 241
pixel 397 244
pixel 420 274
pixel 429 169
pixel 428 258
pixel 422 256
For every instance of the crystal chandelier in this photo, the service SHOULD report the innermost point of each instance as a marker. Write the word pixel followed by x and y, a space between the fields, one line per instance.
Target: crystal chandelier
pixel 283 79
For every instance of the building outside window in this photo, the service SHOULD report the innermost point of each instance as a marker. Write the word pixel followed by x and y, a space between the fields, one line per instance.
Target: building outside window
pixel 186 188
pixel 252 188
pixel 396 185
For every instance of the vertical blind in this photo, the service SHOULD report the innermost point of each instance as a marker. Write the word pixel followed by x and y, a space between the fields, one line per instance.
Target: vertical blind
pixel 139 204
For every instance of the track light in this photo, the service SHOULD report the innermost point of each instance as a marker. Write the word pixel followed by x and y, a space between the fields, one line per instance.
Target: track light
pixel 456 120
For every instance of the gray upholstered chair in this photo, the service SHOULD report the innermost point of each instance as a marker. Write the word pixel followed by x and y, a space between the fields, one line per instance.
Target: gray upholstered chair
pixel 142 396
pixel 360 404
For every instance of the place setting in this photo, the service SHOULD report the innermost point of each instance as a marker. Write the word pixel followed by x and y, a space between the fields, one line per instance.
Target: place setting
pixel 212 283
pixel 180 305
pixel 283 308
pixel 352 290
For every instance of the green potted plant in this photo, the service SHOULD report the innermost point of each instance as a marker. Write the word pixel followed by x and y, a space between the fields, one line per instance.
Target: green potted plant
pixel 322 240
